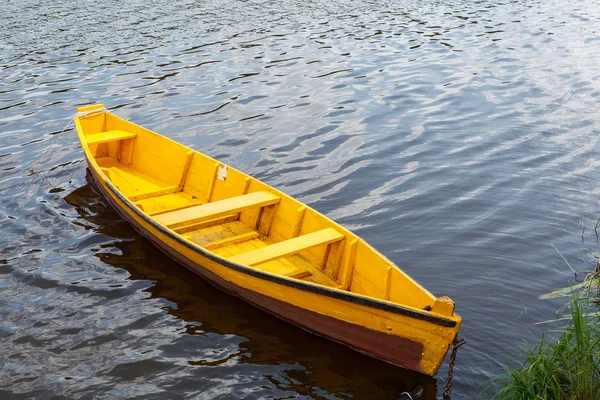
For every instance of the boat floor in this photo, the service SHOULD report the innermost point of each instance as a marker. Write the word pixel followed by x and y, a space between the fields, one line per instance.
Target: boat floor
pixel 226 239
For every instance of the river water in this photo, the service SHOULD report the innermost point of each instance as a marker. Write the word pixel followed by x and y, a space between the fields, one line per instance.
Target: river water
pixel 459 138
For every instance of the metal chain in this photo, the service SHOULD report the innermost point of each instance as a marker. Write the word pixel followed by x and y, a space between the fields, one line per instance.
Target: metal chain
pixel 448 386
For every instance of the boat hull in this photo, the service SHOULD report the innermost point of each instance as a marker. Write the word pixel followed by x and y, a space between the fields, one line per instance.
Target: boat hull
pixel 263 246
pixel 393 349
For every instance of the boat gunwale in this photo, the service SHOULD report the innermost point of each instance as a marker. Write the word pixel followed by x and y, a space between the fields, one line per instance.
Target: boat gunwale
pixel 221 283
pixel 293 283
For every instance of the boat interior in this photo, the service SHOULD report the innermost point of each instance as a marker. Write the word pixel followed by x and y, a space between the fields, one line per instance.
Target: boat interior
pixel 239 218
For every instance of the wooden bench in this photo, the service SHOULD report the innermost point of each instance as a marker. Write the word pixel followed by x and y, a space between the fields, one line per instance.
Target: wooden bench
pixel 216 209
pixel 110 136
pixel 288 247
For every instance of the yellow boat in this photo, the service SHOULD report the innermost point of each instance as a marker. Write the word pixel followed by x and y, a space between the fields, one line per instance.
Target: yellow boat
pixel 263 246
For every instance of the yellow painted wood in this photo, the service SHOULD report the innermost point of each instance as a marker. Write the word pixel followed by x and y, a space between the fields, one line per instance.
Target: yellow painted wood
pixel 186 168
pixel 128 179
pixel 298 222
pixel 349 265
pixel 110 136
pixel 199 177
pixel 106 172
pixel 231 240
pixel 388 283
pixel 213 180
pixel 224 230
pixel 266 219
pixel 150 164
pixel 299 274
pixel 291 246
pixel 154 193
pixel 216 209
pixel 443 305
pixel 335 270
pixel 90 108
pixel 229 184
pixel 131 152
pixel 205 224
pixel 166 210
pixel 325 256
pixel 246 185
pixel 169 202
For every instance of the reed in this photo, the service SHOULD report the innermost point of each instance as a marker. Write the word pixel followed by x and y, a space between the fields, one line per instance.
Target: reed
pixel 566 366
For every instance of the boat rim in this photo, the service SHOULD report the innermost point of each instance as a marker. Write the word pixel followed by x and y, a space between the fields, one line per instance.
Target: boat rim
pixel 265 275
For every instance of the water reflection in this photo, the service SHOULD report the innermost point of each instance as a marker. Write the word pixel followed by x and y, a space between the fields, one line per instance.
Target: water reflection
pixel 216 331
pixel 458 138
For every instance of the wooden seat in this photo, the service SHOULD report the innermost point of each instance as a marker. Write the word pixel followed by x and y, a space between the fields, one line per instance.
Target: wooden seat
pixel 288 247
pixel 110 136
pixel 216 209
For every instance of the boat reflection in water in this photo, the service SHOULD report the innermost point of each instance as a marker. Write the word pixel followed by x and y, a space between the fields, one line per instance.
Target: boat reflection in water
pixel 219 331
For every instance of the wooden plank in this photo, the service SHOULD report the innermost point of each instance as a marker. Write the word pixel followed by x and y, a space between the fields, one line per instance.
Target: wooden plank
pixel 299 274
pixel 325 257
pixel 231 240
pixel 131 152
pixel 119 150
pixel 338 259
pixel 211 188
pixel 288 247
pixel 158 212
pixel 154 193
pixel 300 218
pixel 110 136
pixel 205 224
pixel 106 172
pixel 184 173
pixel 217 209
pixel 246 185
pixel 388 282
pixel 268 220
pixel 349 264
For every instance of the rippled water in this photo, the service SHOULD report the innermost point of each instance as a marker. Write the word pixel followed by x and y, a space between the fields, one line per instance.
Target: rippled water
pixel 459 138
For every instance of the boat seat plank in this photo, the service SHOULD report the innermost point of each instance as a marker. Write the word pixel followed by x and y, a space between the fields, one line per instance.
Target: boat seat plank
pixel 216 209
pixel 110 136
pixel 288 247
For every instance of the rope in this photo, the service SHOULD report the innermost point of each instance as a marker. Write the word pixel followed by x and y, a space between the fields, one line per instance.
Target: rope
pixel 448 386
pixel 414 394
pixel 78 115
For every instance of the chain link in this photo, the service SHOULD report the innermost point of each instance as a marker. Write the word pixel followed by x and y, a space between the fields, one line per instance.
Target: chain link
pixel 448 386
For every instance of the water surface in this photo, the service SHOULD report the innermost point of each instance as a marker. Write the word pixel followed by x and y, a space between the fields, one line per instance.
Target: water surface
pixel 458 138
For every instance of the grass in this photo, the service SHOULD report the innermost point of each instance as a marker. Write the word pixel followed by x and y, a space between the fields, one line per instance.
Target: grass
pixel 567 366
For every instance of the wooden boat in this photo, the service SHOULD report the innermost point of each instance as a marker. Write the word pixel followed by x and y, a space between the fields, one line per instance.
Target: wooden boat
pixel 263 246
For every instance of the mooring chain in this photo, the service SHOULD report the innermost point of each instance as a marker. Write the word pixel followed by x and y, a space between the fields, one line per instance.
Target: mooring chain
pixel 448 386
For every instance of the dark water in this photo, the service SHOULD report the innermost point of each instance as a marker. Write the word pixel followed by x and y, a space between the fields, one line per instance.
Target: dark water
pixel 460 138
